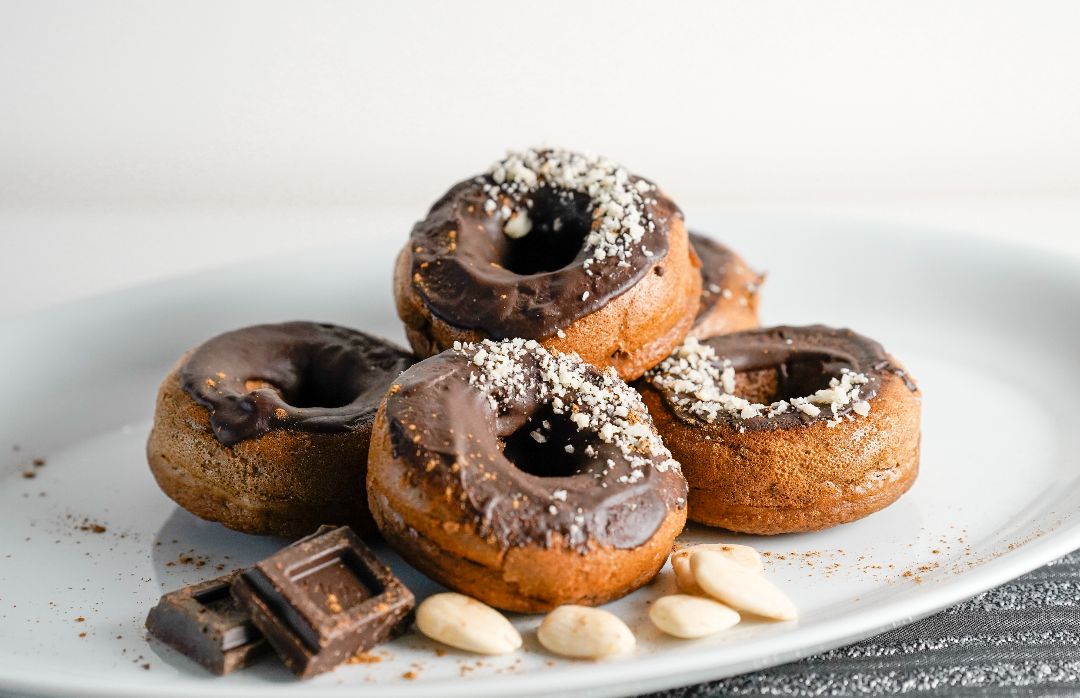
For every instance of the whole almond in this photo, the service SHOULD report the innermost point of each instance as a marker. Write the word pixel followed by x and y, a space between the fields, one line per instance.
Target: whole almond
pixel 744 590
pixel 466 624
pixel 584 633
pixel 689 617
pixel 684 576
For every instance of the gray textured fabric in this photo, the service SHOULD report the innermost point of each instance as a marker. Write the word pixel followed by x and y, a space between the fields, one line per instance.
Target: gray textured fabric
pixel 1021 639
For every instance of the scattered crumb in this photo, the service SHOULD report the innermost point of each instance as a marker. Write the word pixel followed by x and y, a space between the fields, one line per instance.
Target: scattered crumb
pixel 197 561
pixel 91 526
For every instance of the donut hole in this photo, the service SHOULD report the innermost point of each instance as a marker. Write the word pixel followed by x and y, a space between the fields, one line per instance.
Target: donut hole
pixel 799 376
pixel 561 220
pixel 757 386
pixel 318 392
pixel 547 458
pixel 313 390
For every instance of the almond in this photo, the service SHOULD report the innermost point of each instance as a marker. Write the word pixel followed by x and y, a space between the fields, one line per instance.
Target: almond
pixel 689 617
pixel 684 576
pixel 466 624
pixel 744 590
pixel 584 633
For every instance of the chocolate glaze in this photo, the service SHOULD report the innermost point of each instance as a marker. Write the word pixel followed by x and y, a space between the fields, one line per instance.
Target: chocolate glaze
pixel 446 430
pixel 815 354
pixel 460 257
pixel 304 376
pixel 716 261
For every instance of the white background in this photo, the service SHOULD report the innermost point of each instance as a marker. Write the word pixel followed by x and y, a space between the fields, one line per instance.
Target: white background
pixel 144 139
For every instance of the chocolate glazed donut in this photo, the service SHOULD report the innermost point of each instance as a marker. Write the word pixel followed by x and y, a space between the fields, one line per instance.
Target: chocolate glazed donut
pixel 551 245
pixel 524 478
pixel 266 429
pixel 729 290
pixel 787 429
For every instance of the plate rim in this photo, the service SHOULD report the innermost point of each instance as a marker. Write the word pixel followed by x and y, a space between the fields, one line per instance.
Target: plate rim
pixel 880 618
pixel 638 674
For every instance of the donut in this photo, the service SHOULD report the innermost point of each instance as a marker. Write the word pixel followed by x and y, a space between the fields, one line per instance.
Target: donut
pixel 523 477
pixel 551 245
pixel 265 429
pixel 729 290
pixel 787 429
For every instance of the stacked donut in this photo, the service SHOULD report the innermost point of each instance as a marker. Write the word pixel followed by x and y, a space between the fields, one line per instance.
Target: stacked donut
pixel 507 456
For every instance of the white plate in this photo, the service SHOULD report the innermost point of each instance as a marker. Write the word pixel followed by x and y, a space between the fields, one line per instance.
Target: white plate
pixel 991 332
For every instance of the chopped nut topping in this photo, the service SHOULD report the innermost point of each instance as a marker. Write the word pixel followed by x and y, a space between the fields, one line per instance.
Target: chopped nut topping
pixel 620 218
pixel 702 384
pixel 595 401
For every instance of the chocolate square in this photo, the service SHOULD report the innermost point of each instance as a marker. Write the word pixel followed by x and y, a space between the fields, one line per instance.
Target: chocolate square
pixel 322 600
pixel 206 624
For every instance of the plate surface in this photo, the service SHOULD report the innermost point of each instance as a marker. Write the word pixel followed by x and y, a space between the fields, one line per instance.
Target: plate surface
pixel 991 332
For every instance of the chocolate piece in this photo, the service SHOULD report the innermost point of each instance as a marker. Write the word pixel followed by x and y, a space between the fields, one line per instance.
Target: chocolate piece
pixel 305 376
pixel 204 623
pixel 472 275
pixel 322 600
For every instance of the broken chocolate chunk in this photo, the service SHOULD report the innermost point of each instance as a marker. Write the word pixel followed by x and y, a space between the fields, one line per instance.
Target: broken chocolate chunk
pixel 206 624
pixel 323 599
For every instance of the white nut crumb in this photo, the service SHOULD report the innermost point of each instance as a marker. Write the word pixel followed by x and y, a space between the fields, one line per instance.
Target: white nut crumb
pixel 518 226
